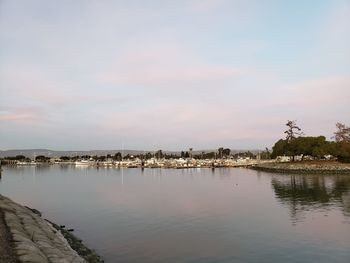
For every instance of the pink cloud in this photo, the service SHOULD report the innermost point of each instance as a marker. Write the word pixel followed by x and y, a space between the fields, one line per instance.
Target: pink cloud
pixel 167 76
pixel 164 64
pixel 22 116
pixel 317 94
pixel 320 93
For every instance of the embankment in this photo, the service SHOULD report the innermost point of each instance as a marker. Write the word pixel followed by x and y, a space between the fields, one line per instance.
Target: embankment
pixel 30 238
pixel 305 167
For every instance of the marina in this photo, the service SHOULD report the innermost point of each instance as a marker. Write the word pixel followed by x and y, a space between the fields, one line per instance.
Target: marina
pixel 155 163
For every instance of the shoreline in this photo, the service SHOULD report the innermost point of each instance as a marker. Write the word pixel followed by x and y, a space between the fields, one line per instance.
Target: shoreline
pixel 7 254
pixel 306 167
pixel 303 167
pixel 157 165
pixel 32 238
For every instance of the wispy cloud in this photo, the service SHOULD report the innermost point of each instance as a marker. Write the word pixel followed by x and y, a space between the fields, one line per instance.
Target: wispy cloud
pixel 23 117
pixel 166 66
pixel 325 92
pixel 170 74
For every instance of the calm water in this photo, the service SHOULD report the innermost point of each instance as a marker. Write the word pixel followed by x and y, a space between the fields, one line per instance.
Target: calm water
pixel 199 215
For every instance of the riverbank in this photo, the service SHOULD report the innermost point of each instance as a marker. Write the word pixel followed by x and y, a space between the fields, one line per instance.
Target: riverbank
pixel 27 237
pixel 315 167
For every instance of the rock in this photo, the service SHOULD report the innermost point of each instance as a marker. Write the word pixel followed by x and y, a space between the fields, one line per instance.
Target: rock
pixel 32 229
pixel 32 258
pixel 34 239
pixel 6 207
pixel 27 245
pixel 15 231
pixel 20 238
pixel 15 225
pixel 40 237
pixel 37 212
pixel 10 216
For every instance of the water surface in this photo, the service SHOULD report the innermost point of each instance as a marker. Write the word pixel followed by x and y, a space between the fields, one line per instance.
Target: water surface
pixel 194 215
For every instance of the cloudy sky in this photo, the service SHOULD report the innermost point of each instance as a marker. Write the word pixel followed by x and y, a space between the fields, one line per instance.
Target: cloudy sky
pixel 170 74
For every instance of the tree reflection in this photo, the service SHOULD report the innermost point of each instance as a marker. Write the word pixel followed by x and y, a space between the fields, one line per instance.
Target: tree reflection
pixel 307 192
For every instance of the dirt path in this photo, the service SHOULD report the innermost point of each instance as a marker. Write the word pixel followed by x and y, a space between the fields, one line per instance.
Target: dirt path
pixel 6 252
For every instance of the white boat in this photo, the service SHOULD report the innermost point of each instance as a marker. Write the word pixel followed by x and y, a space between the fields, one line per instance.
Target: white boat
pixel 82 162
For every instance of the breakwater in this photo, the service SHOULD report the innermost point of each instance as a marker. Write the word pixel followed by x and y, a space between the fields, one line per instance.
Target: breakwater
pixel 34 239
pixel 309 167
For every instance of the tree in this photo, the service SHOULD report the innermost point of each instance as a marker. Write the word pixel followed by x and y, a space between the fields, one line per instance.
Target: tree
pixel 265 154
pixel 293 130
pixel 342 134
pixel 226 152
pixel 42 158
pixel 190 152
pixel 312 146
pixel 279 148
pixel 220 150
pixel 343 152
pixel 159 154
pixel 20 157
pixel 117 156
pixel 342 141
pixel 64 158
pixel 148 156
pixel 209 155
pixel 101 158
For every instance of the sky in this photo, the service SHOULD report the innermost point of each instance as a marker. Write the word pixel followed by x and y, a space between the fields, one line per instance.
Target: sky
pixel 147 75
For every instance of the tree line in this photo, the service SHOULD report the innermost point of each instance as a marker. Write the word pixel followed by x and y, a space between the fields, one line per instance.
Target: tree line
pixel 295 143
pixel 220 153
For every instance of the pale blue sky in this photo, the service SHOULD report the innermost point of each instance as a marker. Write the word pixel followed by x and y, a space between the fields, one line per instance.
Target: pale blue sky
pixel 170 74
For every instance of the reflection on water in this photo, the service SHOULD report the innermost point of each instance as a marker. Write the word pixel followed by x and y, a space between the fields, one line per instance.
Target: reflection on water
pixel 304 192
pixel 192 215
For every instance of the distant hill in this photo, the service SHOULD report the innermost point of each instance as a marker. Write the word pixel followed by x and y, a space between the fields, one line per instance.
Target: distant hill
pixel 51 153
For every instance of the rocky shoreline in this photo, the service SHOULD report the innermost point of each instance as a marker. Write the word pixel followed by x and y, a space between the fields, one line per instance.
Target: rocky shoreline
pixel 30 238
pixel 306 167
pixel 7 254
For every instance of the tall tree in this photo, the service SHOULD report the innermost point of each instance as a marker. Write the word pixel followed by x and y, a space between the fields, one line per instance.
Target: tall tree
pixel 342 138
pixel 190 152
pixel 117 156
pixel 220 150
pixel 293 130
pixel 226 152
pixel 342 134
pixel 159 154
